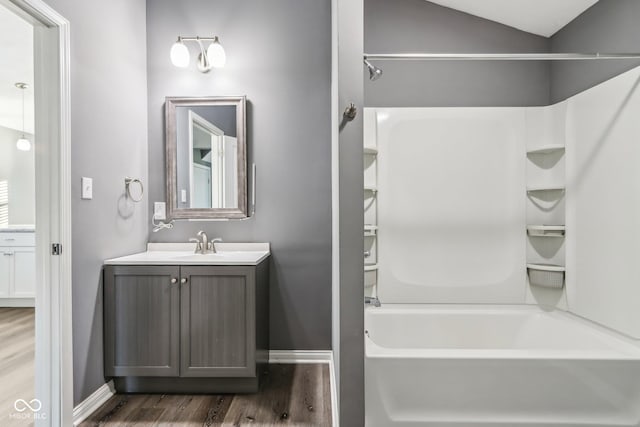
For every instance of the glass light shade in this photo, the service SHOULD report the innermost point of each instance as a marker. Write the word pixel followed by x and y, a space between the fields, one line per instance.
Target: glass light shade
pixel 180 55
pixel 23 144
pixel 216 54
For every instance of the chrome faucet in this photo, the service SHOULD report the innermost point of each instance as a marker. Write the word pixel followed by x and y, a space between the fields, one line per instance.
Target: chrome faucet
pixel 205 241
pixel 203 245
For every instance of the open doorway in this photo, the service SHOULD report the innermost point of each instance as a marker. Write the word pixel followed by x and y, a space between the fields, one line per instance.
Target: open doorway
pixel 35 229
pixel 17 220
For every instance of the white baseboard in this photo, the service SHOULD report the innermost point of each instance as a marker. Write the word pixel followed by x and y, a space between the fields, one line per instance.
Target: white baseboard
pixel 17 302
pixel 104 393
pixel 300 356
pixel 335 419
pixel 312 356
pixel 92 403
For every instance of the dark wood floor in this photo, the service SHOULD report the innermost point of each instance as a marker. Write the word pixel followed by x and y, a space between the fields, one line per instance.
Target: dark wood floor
pixel 17 348
pixel 291 395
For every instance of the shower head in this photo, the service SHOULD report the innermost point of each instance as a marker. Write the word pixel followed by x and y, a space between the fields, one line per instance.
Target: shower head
pixel 374 72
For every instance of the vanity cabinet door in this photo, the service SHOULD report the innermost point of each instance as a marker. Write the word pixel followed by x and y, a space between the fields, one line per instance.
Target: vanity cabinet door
pixel 218 321
pixel 142 320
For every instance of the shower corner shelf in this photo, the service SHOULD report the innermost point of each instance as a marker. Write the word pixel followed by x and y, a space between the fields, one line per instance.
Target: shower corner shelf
pixel 546 267
pixel 540 189
pixel 370 230
pixel 370 151
pixel 546 275
pixel 546 230
pixel 547 149
pixel 371 189
pixel 371 267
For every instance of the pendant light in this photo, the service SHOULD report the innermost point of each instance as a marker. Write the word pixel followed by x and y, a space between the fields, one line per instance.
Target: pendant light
pixel 23 144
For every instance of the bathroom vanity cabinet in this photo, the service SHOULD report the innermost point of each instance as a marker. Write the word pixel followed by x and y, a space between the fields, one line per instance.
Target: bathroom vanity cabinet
pixel 186 328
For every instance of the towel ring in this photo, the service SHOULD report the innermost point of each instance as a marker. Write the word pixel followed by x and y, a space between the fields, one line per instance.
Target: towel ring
pixel 127 183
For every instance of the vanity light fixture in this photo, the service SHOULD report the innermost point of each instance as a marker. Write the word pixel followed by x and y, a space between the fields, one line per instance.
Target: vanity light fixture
pixel 23 144
pixel 213 56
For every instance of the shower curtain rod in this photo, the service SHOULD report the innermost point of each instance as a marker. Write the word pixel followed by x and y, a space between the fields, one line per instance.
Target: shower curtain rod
pixel 498 56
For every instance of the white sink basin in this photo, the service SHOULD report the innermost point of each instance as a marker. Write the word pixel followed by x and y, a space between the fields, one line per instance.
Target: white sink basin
pixel 183 254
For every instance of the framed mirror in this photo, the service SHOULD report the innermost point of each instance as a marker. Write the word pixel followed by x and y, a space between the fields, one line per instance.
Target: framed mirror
pixel 206 166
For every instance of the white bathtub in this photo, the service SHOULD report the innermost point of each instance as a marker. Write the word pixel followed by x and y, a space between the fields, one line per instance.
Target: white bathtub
pixel 519 366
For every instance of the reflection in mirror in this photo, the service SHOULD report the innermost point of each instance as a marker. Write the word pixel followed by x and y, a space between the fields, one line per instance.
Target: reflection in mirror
pixel 207 158
pixel 213 161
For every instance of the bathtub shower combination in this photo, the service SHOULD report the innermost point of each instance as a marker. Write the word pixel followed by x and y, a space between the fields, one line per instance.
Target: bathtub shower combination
pixel 502 245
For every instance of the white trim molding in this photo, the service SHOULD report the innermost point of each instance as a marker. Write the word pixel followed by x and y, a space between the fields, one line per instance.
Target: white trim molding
pixel 300 356
pixel 312 356
pixel 93 402
pixel 17 302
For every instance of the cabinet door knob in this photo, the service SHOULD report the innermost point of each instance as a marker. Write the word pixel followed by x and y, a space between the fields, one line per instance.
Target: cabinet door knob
pixel 184 280
pixel 174 280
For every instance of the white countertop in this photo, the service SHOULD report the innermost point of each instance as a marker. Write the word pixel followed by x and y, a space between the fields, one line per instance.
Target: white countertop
pixel 183 254
pixel 18 228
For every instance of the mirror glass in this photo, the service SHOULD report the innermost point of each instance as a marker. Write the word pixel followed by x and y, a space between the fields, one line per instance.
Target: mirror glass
pixel 206 146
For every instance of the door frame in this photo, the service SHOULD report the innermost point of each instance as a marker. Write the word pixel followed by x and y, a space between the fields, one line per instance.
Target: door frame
pixel 54 345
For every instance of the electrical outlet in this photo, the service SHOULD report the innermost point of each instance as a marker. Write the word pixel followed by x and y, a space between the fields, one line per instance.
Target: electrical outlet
pixel 87 188
pixel 159 210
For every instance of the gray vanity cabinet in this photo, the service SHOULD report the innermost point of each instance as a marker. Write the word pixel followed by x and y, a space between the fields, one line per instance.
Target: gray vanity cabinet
pixel 217 320
pixel 142 322
pixel 192 329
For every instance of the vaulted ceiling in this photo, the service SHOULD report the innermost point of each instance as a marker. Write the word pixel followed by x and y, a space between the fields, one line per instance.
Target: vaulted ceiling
pixel 542 17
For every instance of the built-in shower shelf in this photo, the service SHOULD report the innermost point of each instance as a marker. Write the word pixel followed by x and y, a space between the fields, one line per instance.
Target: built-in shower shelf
pixel 542 189
pixel 545 267
pixel 371 267
pixel 546 275
pixel 546 230
pixel 370 151
pixel 370 230
pixel 547 149
pixel 371 189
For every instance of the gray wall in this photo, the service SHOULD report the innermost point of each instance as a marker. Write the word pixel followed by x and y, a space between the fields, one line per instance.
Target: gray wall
pixel 108 143
pixel 402 26
pixel 279 56
pixel 609 26
pixel 350 349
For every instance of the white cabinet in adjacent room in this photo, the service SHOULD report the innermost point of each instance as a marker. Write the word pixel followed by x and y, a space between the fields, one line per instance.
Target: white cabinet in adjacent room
pixel 17 269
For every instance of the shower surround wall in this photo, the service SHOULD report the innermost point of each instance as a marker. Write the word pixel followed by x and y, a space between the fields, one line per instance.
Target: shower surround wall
pixel 279 56
pixel 459 236
pixel 451 205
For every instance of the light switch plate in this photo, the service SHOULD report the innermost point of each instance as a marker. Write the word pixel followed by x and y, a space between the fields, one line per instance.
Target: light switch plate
pixel 183 196
pixel 160 210
pixel 87 188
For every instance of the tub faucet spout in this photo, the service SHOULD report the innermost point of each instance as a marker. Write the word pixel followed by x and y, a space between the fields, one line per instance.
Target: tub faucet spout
pixel 372 301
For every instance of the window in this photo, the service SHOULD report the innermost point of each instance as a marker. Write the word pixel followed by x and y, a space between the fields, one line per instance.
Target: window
pixel 4 203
